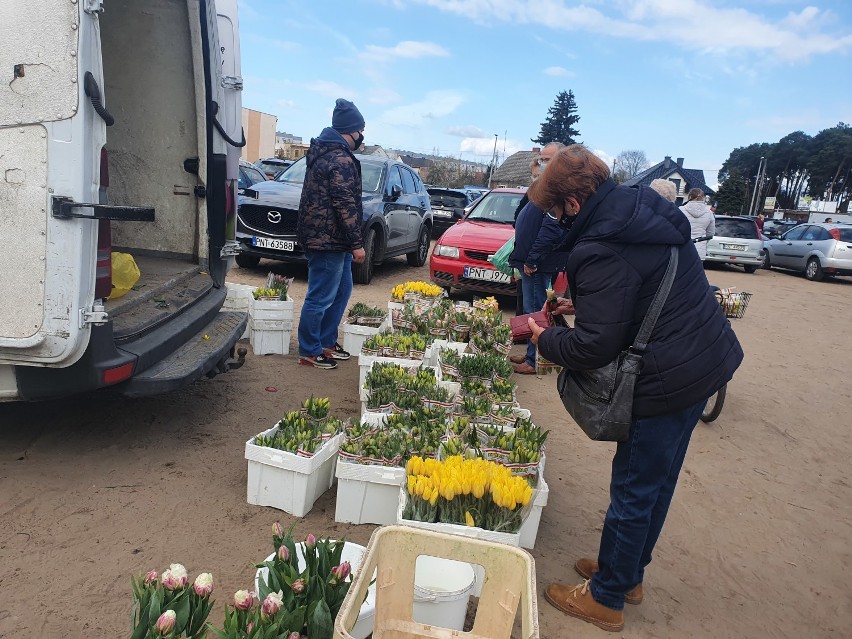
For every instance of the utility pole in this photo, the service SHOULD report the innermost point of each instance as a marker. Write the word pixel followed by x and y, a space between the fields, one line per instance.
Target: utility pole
pixel 756 183
pixel 493 160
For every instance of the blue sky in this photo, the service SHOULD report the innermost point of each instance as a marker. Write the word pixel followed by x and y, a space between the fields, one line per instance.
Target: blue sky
pixel 686 78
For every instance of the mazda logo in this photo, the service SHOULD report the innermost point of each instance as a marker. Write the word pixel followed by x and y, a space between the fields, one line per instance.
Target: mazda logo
pixel 273 216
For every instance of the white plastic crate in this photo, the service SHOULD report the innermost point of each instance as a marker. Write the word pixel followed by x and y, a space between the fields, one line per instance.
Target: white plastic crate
pixel 365 362
pixel 529 529
pixel 367 494
pixel 438 344
pixel 269 342
pixel 354 335
pixel 238 298
pixel 271 309
pixel 286 481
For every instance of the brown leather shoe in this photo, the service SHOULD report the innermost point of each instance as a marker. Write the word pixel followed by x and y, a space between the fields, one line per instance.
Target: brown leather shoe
pixel 586 567
pixel 523 369
pixel 517 359
pixel 577 601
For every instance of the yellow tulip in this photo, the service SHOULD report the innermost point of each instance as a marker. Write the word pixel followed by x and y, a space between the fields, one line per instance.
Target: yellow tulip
pixel 412 484
pixel 468 519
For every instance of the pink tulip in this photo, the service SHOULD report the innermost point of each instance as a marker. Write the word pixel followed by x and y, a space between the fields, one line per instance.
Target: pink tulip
pixel 243 600
pixel 298 586
pixel 203 585
pixel 278 530
pixel 342 571
pixel 294 635
pixel 310 542
pixel 249 627
pixel 150 577
pixel 272 604
pixel 166 622
pixel 175 577
pixel 283 553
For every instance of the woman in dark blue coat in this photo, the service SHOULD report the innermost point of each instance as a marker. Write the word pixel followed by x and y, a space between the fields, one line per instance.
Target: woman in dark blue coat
pixel 619 246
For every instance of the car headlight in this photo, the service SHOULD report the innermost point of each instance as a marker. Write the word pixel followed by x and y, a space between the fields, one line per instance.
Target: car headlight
pixel 447 251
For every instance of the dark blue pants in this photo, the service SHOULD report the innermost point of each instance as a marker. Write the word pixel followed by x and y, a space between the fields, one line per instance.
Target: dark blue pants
pixel 535 295
pixel 644 474
pixel 329 289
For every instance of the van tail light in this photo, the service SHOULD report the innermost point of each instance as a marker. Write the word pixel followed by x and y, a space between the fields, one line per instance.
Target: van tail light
pixel 103 263
pixel 834 233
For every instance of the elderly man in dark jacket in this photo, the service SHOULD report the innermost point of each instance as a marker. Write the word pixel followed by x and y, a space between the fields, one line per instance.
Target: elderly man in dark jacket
pixel 619 243
pixel 329 230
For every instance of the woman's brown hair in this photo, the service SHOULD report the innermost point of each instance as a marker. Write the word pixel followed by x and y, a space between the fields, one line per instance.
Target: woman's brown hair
pixel 573 172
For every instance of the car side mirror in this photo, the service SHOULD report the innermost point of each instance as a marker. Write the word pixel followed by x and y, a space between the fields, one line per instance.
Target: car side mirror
pixel 396 191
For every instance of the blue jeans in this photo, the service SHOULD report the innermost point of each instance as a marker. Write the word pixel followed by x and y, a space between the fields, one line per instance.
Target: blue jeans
pixel 329 288
pixel 534 288
pixel 644 474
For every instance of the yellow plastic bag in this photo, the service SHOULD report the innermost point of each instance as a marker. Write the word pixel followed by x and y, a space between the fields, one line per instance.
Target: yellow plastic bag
pixel 125 274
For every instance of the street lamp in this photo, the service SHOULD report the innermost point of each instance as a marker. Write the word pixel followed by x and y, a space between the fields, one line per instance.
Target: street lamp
pixel 493 160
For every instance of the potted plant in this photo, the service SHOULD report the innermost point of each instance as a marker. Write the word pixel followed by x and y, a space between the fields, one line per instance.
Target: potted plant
pixel 271 316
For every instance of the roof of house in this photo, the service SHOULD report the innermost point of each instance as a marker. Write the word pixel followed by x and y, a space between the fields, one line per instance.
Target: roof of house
pixel 415 162
pixel 515 170
pixel 694 178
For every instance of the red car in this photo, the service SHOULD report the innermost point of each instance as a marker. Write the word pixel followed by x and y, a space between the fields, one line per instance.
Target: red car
pixel 460 258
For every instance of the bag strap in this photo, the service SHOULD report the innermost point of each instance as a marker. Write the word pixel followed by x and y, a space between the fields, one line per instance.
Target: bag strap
pixel 644 335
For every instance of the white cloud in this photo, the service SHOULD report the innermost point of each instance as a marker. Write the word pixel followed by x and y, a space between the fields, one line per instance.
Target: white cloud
pixel 468 131
pixel 281 45
pixel 559 72
pixel 383 95
pixel 603 155
pixel 330 89
pixel 435 105
pixel 286 104
pixel 699 25
pixel 408 49
pixel 484 147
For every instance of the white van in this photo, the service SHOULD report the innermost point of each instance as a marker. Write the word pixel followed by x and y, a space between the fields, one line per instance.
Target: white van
pixel 120 123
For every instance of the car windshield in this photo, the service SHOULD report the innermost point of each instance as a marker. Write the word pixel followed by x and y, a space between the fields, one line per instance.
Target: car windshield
pixel 496 207
pixel 371 175
pixel 740 229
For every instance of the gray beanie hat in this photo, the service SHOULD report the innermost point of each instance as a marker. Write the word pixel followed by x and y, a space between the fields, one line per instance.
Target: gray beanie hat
pixel 346 118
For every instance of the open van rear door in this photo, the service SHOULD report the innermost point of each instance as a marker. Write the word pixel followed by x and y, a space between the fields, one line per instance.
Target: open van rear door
pixel 44 291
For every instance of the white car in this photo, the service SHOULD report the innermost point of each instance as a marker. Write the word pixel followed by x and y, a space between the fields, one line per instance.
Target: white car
pixel 816 250
pixel 737 241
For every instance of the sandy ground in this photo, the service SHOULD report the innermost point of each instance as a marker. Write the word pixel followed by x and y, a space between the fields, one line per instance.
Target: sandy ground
pixel 97 488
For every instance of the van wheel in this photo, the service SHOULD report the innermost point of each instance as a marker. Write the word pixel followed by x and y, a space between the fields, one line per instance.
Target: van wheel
pixel 247 261
pixel 813 271
pixel 363 273
pixel 418 256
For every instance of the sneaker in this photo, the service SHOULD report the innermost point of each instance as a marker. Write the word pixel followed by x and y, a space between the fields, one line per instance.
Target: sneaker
pixel 517 359
pixel 523 369
pixel 336 352
pixel 577 601
pixel 586 567
pixel 320 361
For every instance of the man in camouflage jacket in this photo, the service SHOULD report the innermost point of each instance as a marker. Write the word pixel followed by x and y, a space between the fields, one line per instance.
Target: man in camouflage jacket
pixel 329 231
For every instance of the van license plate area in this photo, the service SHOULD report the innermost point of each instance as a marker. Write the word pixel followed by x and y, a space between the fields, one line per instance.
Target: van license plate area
pixel 274 244
pixel 734 247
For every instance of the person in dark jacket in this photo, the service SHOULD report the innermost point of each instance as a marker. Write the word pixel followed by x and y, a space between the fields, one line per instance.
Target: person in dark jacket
pixel 537 235
pixel 619 242
pixel 329 230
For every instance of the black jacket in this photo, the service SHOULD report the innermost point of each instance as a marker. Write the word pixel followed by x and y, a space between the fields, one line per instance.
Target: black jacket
pixel 330 210
pixel 537 238
pixel 619 249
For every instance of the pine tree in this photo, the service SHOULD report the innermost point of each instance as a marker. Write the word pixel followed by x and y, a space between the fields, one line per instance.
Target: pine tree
pixel 561 118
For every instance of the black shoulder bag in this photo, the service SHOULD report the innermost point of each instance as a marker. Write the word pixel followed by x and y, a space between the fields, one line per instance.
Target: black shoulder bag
pixel 601 400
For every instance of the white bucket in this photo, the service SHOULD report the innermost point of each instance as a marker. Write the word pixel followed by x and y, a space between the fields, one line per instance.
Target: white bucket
pixel 442 588
pixel 354 554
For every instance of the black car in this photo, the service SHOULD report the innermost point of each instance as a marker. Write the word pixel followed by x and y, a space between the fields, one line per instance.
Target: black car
pixel 249 176
pixel 776 228
pixel 448 206
pixel 397 217
pixel 273 167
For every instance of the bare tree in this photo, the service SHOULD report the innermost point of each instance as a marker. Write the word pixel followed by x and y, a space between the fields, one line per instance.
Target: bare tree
pixel 629 163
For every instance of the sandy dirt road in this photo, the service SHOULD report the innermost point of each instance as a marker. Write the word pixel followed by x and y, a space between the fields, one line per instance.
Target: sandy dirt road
pixel 94 489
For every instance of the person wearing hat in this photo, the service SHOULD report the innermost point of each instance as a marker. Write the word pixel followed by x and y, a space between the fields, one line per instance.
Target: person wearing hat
pixel 329 231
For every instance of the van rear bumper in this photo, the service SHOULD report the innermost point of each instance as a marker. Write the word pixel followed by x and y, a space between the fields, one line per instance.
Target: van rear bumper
pixel 172 355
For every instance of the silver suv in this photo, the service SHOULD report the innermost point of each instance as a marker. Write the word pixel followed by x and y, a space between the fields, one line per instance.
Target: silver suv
pixel 736 241
pixel 815 249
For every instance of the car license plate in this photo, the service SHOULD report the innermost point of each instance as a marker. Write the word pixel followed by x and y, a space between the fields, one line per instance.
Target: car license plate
pixel 486 274
pixel 274 244
pixel 441 213
pixel 734 247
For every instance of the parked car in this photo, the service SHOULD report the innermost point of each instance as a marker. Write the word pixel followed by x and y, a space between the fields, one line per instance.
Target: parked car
pixel 476 192
pixel 460 257
pixel 249 176
pixel 776 228
pixel 448 207
pixel 273 167
pixel 737 241
pixel 816 250
pixel 397 217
